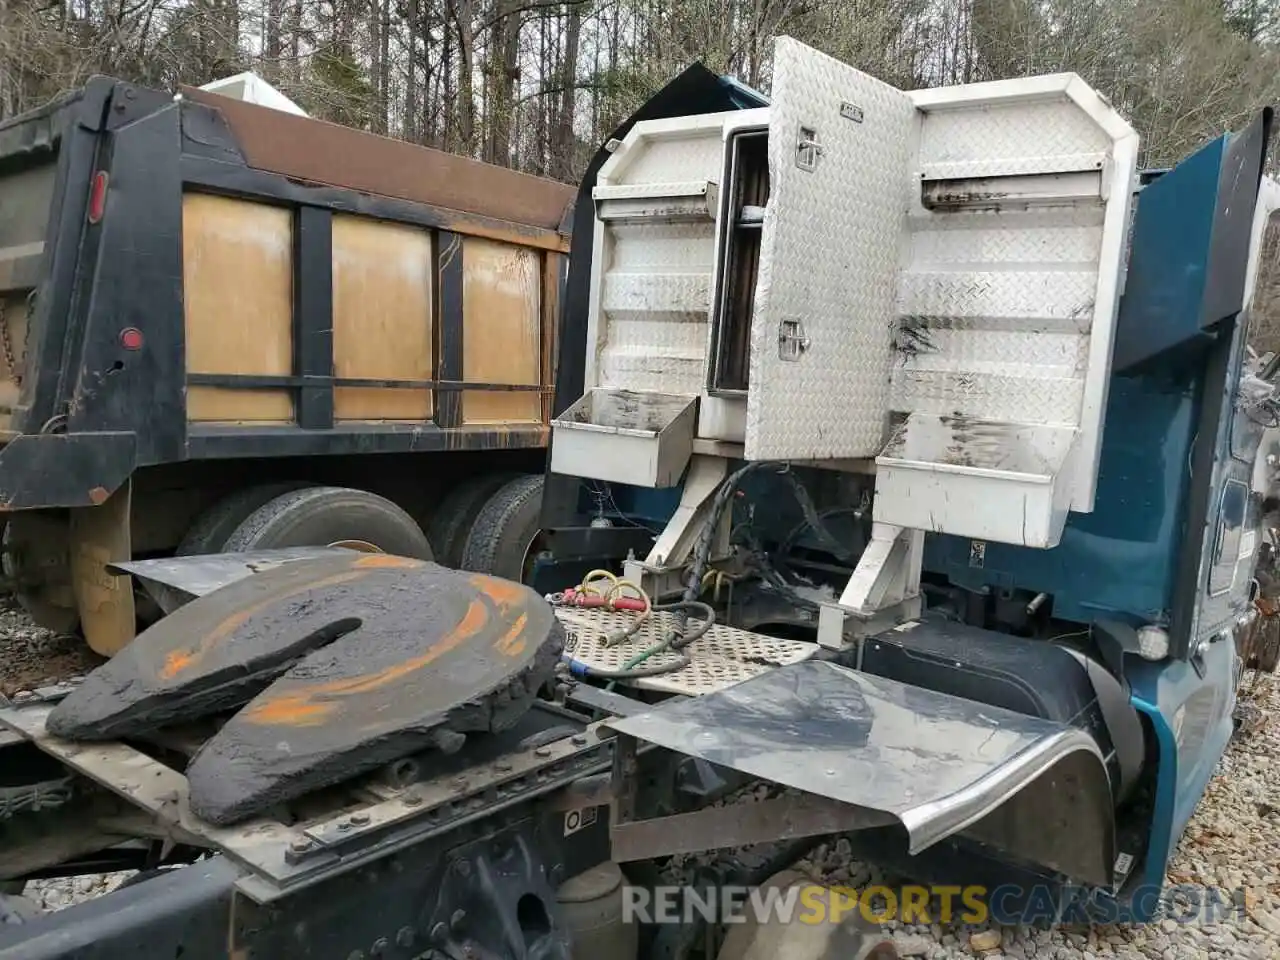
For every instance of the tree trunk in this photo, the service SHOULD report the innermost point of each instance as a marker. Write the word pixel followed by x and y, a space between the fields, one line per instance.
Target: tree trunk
pixel 563 153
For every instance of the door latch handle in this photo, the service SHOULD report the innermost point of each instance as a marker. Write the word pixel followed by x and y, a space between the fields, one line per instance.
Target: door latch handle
pixel 791 339
pixel 808 149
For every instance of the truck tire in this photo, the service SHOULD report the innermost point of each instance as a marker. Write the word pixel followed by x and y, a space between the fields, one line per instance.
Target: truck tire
pixel 316 516
pixel 207 535
pixel 505 529
pixel 456 513
pixel 212 528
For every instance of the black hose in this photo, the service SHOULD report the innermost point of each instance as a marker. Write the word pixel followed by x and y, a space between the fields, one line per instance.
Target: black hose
pixel 679 636
pixel 789 541
pixel 674 642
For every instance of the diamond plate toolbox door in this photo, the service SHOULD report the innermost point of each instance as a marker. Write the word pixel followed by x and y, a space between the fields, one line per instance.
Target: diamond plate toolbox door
pixel 839 147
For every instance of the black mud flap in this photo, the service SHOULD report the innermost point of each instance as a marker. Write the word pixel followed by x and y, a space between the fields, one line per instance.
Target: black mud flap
pixel 1034 789
pixel 340 664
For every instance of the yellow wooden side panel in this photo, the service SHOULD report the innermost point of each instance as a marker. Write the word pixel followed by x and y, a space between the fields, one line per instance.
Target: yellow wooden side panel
pixel 502 342
pixel 382 318
pixel 553 263
pixel 237 267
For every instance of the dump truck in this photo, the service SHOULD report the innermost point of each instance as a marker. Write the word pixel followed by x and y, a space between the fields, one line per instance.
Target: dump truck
pixel 935 415
pixel 225 325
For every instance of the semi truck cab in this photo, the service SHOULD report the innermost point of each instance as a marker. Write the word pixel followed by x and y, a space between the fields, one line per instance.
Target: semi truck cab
pixel 941 380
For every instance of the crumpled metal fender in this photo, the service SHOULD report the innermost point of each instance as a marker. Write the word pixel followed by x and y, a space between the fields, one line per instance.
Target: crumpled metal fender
pixel 940 765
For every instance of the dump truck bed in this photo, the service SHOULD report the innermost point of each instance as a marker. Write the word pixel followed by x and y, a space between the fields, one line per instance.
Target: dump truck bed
pixel 195 277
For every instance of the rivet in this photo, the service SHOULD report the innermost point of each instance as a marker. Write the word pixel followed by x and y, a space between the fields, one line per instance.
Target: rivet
pixel 360 819
pixel 542 752
pixel 404 936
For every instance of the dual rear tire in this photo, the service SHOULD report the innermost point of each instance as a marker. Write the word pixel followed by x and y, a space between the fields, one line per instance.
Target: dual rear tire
pixel 486 525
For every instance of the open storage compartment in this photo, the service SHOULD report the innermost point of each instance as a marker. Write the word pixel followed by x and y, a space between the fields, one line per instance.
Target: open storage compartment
pixel 740 229
pixel 988 480
pixel 625 436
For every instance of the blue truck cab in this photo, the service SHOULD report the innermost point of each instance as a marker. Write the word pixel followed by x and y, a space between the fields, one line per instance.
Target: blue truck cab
pixel 974 419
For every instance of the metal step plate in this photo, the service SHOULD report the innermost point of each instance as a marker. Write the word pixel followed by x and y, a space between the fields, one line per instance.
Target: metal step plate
pixel 722 657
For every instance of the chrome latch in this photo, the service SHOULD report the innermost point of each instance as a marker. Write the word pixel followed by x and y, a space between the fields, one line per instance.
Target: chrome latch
pixel 808 149
pixel 791 340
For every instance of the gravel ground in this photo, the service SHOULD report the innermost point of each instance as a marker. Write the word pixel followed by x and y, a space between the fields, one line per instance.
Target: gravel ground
pixel 1233 842
pixel 56 894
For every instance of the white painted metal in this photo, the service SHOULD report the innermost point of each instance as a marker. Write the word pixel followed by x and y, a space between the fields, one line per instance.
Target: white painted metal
pixel 888 572
pixel 937 287
pixel 654 264
pixel 719 659
pixel 253 89
pixel 1007 305
pixel 1011 304
pixel 652 275
pixel 625 436
pixel 883 590
pixel 1263 220
pixel 829 257
pixel 673 546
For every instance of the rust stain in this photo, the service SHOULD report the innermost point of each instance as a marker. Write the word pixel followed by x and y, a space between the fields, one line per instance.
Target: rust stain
pixel 294 710
pixel 383 561
pixel 529 209
pixel 541 239
pixel 178 661
pixel 505 593
pixel 312 705
pixel 98 496
pixel 511 643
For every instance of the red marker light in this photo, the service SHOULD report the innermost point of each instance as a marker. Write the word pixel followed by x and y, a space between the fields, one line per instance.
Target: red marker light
pixel 98 196
pixel 131 338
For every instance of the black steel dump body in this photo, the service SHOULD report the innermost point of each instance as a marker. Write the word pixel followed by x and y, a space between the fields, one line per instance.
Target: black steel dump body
pixel 117 353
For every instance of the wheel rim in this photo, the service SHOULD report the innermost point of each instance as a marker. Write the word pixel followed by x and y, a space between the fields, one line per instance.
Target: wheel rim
pixel 531 551
pixel 363 546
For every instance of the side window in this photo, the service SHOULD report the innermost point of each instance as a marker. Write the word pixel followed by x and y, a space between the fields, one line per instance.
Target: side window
pixel 1226 550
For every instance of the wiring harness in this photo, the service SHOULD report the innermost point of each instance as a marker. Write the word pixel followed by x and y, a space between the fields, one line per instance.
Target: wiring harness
pixel 590 594
pixel 603 589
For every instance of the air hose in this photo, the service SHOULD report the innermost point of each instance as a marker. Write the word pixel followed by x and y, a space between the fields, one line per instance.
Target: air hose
pixel 674 642
pixel 680 635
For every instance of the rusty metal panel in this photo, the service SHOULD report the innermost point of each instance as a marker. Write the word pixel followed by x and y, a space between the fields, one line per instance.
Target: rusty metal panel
pixel 328 153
